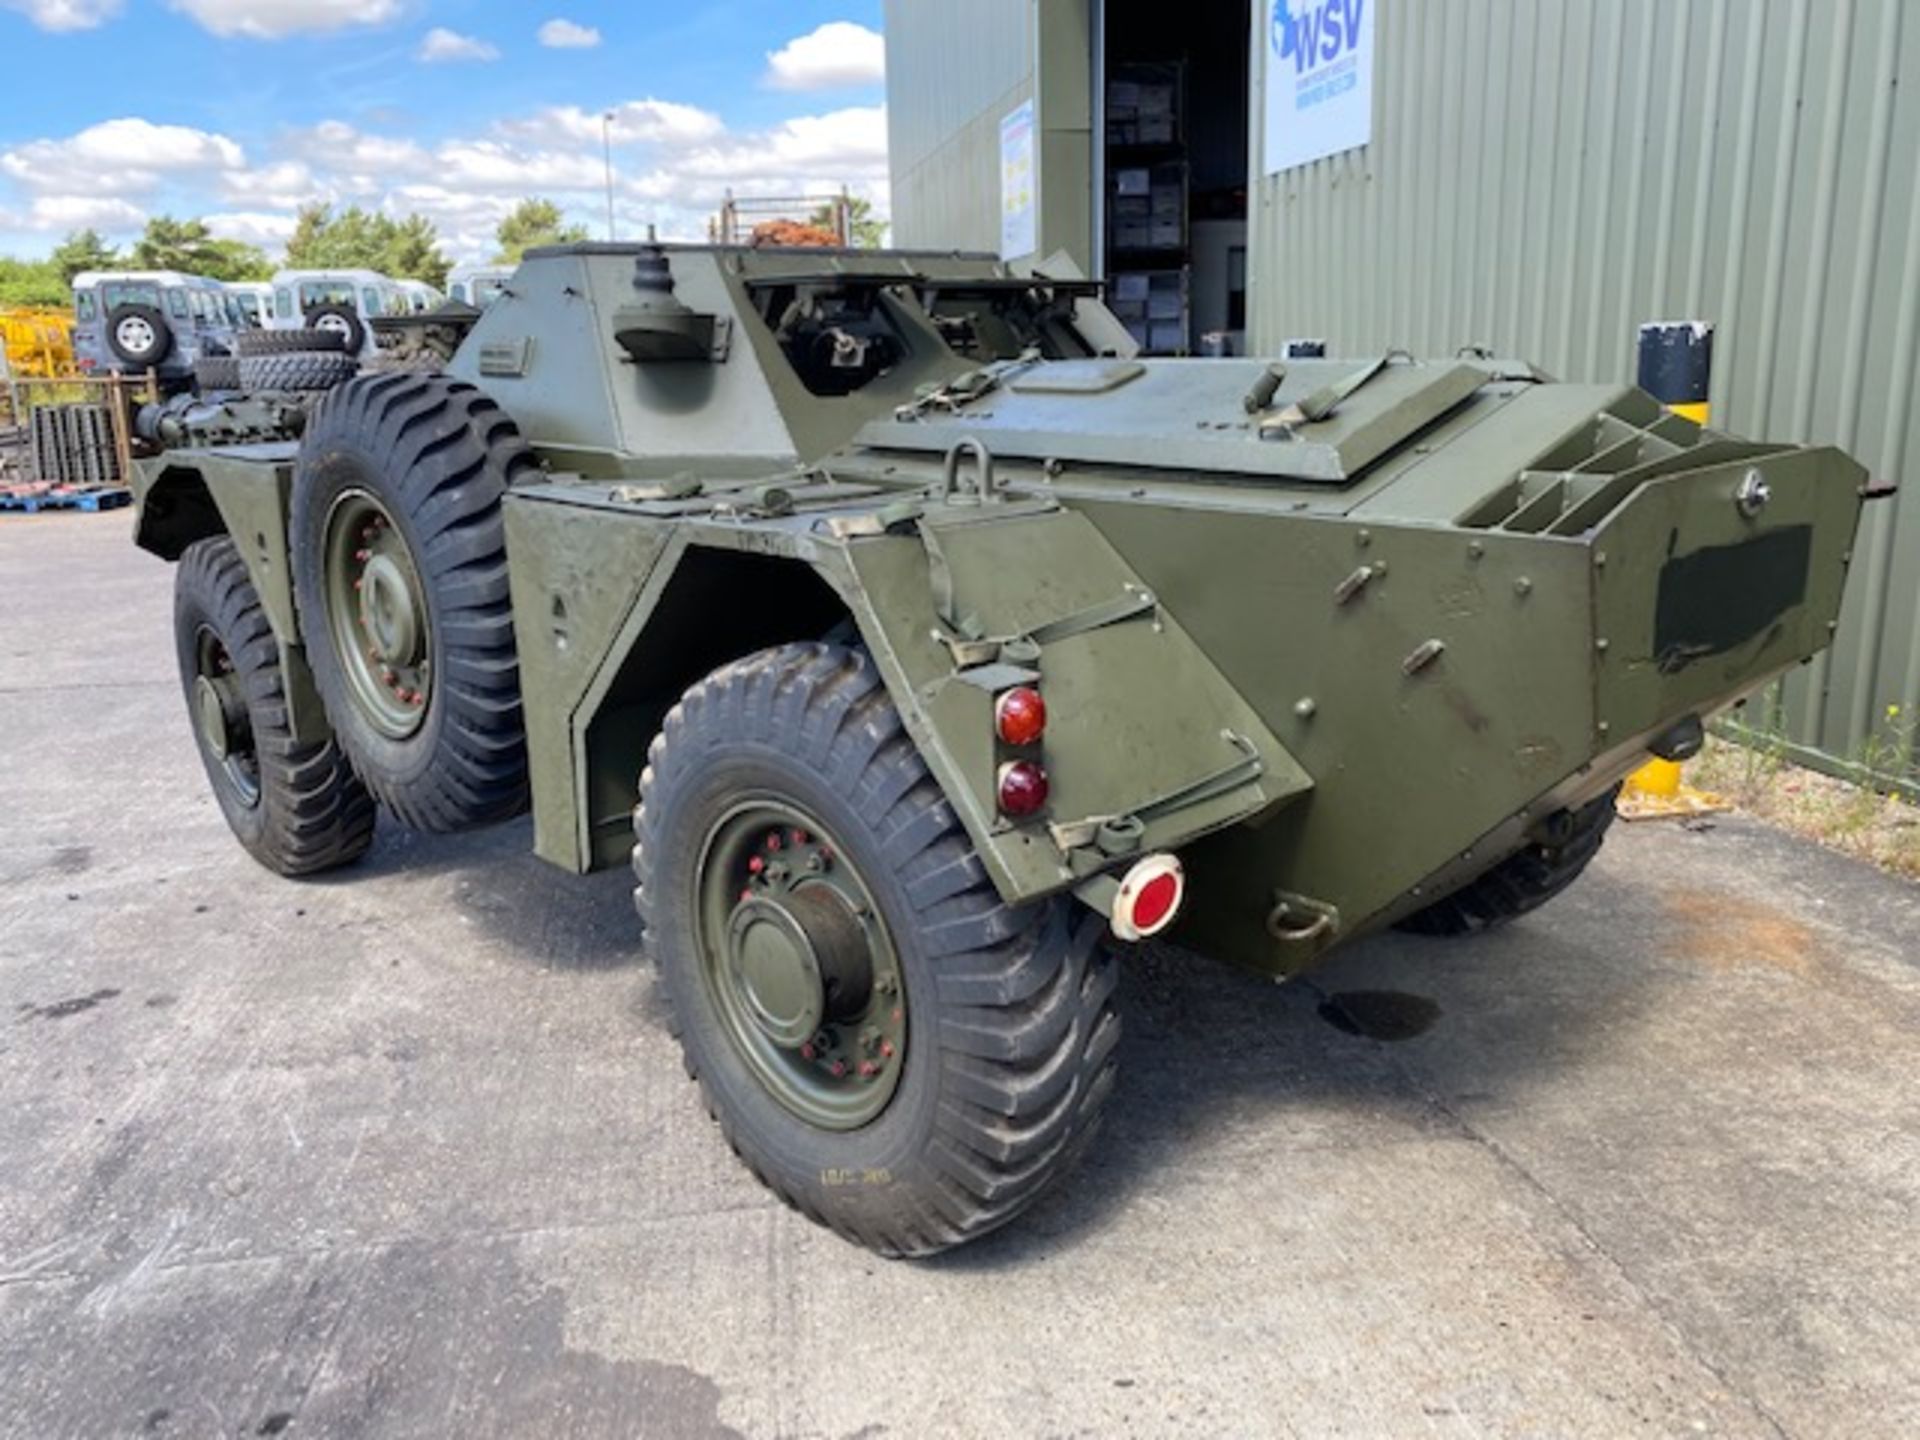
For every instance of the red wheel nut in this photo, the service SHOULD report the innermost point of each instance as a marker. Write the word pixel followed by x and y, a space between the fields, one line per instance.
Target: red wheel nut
pixel 756 865
pixel 838 1068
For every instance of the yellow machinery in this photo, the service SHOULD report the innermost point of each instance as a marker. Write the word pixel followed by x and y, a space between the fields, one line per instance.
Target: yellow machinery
pixel 38 341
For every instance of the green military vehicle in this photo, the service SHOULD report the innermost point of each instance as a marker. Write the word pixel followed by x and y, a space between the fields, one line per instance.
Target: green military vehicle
pixel 913 642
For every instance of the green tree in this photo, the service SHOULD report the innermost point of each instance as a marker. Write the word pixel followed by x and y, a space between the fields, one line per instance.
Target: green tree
pixel 83 250
pixel 868 231
pixel 187 245
pixel 357 239
pixel 532 223
pixel 32 282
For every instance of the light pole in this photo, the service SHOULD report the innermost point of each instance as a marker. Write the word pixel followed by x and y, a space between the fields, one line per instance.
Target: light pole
pixel 606 145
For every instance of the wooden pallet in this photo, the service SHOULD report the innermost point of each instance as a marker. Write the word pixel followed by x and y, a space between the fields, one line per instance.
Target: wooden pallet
pixel 31 498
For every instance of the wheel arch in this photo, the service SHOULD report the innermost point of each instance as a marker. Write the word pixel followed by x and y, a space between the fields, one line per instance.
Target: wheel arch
pixel 177 508
pixel 702 605
pixel 180 503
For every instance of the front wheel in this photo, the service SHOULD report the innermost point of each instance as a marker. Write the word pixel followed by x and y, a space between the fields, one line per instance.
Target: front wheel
pixel 891 1049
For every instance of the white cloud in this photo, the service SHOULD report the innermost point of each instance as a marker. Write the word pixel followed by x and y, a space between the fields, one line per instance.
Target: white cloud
pixel 284 185
pixel 848 144
pixel 673 164
pixel 441 45
pixel 61 213
pixel 121 156
pixel 836 55
pixel 255 227
pixel 66 14
pixel 635 122
pixel 275 19
pixel 565 35
pixel 337 148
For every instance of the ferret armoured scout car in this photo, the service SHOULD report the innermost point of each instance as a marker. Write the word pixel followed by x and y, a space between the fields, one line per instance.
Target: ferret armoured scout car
pixel 913 642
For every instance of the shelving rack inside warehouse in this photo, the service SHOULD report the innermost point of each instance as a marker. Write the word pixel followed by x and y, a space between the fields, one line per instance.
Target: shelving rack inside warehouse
pixel 1149 265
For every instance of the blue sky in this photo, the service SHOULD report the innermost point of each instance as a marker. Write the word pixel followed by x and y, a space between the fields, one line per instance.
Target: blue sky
pixel 241 110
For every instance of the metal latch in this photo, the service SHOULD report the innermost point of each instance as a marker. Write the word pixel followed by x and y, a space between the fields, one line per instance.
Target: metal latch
pixel 1102 829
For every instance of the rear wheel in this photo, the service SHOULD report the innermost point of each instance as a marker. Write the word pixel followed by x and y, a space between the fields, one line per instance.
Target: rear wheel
pixel 400 577
pixel 891 1049
pixel 297 808
pixel 1523 881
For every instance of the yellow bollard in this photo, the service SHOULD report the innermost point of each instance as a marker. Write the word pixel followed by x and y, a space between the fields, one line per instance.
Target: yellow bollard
pixel 1676 361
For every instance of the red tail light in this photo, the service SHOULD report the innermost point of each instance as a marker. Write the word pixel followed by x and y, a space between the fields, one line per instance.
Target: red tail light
pixel 1020 715
pixel 1023 788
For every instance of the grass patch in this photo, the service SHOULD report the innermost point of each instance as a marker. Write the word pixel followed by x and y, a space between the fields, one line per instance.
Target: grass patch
pixel 1847 814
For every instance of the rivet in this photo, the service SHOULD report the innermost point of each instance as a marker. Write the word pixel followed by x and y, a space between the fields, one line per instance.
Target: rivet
pixel 1600 644
pixel 1604 727
pixel 1475 550
pixel 1599 559
pixel 1363 539
pixel 1523 586
pixel 1304 707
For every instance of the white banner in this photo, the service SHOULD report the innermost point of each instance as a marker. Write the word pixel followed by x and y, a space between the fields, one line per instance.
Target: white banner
pixel 1319 74
pixel 1017 229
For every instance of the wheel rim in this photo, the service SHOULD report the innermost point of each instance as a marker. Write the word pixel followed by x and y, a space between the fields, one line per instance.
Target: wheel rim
pixel 220 715
pixel 799 965
pixel 335 323
pixel 134 334
pixel 377 613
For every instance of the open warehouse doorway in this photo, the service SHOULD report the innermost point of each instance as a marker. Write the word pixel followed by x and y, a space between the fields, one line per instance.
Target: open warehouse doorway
pixel 1170 171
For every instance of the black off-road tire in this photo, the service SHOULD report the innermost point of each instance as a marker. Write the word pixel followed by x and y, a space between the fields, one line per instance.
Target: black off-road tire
pixel 437 454
pixel 288 342
pixel 308 813
pixel 216 372
pixel 139 357
pixel 1010 1012
pixel 347 324
pixel 300 373
pixel 1522 882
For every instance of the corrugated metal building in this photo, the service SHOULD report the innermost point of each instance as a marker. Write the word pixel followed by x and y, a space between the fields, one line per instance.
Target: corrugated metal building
pixel 1540 178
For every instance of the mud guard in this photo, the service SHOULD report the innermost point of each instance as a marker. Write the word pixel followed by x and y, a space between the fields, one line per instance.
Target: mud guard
pixel 246 487
pixel 1147 746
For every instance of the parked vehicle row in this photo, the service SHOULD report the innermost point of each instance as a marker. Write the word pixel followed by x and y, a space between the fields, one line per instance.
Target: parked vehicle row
pixel 169 322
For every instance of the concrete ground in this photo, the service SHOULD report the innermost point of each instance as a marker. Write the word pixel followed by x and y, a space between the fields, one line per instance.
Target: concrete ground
pixel 409 1152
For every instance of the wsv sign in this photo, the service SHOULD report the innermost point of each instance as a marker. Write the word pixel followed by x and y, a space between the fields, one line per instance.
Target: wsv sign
pixel 1318 35
pixel 1319 80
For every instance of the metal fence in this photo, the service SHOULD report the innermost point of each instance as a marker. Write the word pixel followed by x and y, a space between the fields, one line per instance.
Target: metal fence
pixel 1544 177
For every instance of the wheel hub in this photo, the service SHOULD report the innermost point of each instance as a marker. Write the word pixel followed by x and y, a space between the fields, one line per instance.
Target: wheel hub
pixel 387 612
pixel 803 970
pixel 219 707
pixel 135 334
pixel 377 609
pixel 799 961
pixel 220 710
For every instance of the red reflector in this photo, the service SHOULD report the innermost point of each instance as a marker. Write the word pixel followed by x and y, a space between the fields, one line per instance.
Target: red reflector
pixel 1149 898
pixel 1023 788
pixel 1020 715
pixel 1155 902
